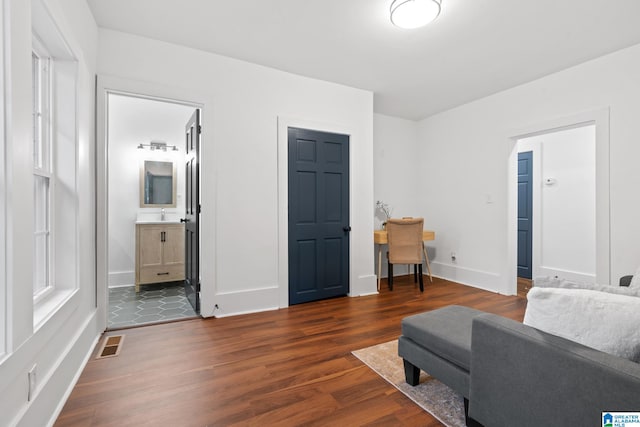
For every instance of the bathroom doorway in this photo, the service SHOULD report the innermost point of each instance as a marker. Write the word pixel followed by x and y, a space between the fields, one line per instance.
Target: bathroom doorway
pixel 145 150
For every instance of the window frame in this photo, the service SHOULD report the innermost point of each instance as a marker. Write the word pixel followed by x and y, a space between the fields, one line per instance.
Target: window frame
pixel 63 128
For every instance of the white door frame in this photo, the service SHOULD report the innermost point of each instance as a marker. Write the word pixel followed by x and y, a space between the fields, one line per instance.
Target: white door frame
pixel 106 85
pixel 600 118
pixel 284 123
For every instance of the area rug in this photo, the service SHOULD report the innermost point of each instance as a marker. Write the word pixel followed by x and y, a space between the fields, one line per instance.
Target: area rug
pixel 431 395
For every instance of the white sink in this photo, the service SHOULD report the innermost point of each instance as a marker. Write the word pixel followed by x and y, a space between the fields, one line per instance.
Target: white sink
pixel 156 218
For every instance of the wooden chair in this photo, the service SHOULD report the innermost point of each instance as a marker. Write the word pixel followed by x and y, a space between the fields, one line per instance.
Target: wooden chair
pixel 405 245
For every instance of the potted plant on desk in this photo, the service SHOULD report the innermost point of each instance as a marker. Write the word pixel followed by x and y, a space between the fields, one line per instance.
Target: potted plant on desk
pixel 386 210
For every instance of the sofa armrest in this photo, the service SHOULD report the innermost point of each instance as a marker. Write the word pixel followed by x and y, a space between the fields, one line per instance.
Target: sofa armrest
pixel 625 280
pixel 525 377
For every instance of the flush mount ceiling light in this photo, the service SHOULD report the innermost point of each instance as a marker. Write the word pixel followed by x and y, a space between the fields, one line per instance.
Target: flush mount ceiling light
pixel 414 13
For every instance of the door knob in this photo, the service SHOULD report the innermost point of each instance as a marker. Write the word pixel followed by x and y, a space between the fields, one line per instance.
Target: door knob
pixel 184 220
pixel 346 229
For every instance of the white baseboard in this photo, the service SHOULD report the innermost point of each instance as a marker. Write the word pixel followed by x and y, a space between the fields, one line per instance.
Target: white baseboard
pixel 267 299
pixel 119 279
pixel 122 286
pixel 364 285
pixel 485 280
pixel 56 387
pixel 566 274
pixel 244 302
pixel 74 381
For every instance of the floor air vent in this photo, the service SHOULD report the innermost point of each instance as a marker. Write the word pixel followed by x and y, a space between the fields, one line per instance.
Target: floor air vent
pixel 110 346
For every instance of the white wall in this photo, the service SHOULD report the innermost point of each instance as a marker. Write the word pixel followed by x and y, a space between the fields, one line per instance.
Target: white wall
pixel 466 152
pixel 133 121
pixel 398 172
pixel 242 103
pixel 61 345
pixel 397 166
pixel 564 222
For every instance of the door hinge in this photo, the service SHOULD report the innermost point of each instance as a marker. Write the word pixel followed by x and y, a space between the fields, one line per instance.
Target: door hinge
pixel 199 128
pixel 199 208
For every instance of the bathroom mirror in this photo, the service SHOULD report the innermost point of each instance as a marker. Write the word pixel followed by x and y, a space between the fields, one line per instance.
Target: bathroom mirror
pixel 157 184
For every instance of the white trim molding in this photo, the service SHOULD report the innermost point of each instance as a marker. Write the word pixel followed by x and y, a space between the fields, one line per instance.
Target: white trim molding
pixel 600 118
pixel 360 238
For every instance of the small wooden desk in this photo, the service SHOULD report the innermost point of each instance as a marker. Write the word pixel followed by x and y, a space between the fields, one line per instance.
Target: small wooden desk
pixel 380 238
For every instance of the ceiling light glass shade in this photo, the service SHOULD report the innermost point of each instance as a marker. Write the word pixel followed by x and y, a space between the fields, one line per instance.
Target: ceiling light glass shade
pixel 414 13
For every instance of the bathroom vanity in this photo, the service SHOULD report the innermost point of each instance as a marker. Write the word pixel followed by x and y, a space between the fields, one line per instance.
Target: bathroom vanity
pixel 159 252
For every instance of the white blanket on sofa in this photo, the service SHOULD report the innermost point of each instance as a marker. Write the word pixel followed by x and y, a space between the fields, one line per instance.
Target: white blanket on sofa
pixel 601 320
pixel 555 282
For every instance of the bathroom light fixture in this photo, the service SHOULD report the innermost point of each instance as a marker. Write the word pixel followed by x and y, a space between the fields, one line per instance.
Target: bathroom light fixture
pixel 157 146
pixel 414 13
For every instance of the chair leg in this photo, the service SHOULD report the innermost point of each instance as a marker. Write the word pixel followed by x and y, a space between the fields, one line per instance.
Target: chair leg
pixel 390 274
pixel 426 257
pixel 420 277
pixel 415 273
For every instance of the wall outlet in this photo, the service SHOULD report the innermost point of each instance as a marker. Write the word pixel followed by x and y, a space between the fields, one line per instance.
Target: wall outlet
pixel 31 375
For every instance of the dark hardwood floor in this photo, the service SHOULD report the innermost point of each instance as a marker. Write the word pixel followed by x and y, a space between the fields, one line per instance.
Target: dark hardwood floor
pixel 287 367
pixel 523 286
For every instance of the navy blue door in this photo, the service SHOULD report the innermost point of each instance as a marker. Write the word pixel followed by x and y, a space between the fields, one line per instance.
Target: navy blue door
pixel 525 214
pixel 318 215
pixel 192 211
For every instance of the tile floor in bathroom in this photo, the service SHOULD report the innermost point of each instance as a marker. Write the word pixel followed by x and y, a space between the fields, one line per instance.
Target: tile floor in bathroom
pixel 159 302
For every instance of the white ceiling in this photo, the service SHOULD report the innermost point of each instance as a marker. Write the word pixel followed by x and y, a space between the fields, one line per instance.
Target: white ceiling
pixel 473 49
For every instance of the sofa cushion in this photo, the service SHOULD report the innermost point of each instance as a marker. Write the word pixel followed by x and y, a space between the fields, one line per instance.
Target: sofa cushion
pixel 445 332
pixel 601 320
pixel 554 282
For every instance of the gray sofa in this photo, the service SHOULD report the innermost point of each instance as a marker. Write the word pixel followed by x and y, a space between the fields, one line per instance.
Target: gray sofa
pixel 514 375
pixel 522 376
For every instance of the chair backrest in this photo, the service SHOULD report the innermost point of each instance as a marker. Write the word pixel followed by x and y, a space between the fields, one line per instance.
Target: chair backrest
pixel 405 240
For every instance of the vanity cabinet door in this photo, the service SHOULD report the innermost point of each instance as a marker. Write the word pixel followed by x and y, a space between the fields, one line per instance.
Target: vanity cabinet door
pixel 150 245
pixel 173 248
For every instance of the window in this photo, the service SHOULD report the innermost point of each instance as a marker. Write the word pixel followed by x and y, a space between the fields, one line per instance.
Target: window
pixel 43 177
pixel 55 164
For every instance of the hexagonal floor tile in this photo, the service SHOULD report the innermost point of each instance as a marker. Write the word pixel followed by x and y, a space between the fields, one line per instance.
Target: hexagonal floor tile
pixel 154 303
